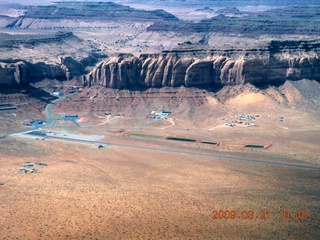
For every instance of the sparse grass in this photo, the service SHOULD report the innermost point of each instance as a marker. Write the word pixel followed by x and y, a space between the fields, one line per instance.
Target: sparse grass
pixel 181 139
pixel 145 135
pixel 213 143
pixel 130 193
pixel 254 146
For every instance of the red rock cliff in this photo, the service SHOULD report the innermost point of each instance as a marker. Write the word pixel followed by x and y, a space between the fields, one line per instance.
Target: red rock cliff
pixel 208 69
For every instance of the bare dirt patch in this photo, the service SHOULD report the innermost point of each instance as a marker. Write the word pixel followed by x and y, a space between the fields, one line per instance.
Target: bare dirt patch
pixel 120 192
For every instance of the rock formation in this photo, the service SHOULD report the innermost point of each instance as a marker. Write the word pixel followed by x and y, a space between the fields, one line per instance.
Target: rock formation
pixel 278 62
pixel 31 57
pixel 20 73
pixel 73 14
pixel 13 74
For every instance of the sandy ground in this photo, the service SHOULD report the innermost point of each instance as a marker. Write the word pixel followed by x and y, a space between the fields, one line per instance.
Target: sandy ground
pixel 125 193
pixel 121 192
pixel 131 193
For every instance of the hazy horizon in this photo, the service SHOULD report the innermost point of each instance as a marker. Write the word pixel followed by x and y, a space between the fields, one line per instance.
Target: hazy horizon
pixel 187 2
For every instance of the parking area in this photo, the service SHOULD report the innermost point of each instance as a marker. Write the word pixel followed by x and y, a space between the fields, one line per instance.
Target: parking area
pixel 35 123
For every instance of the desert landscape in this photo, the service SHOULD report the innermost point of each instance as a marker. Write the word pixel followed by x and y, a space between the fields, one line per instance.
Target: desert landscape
pixel 159 120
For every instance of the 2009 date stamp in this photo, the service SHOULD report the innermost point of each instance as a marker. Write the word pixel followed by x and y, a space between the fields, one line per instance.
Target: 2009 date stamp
pixel 261 214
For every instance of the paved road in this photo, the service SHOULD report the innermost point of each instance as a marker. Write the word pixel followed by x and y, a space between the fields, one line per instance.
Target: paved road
pixel 49 107
pixel 51 120
pixel 200 154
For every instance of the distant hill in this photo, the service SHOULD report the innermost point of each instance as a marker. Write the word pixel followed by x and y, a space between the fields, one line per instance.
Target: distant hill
pixel 222 3
pixel 217 3
pixel 287 20
pixel 54 15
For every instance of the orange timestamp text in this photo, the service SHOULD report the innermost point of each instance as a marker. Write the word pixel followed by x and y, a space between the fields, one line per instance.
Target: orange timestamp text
pixel 262 214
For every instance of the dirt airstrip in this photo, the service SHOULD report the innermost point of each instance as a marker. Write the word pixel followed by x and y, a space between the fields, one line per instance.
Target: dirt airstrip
pixel 128 193
pixel 141 185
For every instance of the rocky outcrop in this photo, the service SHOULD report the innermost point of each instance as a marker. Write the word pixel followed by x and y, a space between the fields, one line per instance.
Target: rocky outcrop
pixel 33 57
pixel 206 69
pixel 20 73
pixel 13 74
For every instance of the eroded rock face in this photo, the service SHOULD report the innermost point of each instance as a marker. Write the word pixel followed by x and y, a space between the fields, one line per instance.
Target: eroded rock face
pixel 20 73
pixel 13 74
pixel 214 69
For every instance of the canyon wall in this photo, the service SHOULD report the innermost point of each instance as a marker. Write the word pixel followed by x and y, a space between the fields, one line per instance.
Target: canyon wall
pixel 21 73
pixel 273 64
pixel 13 74
pixel 27 58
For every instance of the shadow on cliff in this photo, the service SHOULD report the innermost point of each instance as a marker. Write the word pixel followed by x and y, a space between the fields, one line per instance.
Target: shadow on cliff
pixel 29 91
pixel 260 86
pixel 264 86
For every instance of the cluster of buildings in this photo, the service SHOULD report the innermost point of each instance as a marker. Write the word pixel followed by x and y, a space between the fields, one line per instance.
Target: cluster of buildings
pixel 69 116
pixel 159 115
pixel 246 117
pixel 34 122
pixel 29 167
pixel 58 94
pixel 280 118
pixel 240 120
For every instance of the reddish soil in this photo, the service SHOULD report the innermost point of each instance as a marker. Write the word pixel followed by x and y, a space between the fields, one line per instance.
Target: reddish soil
pixel 125 193
pixel 133 193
